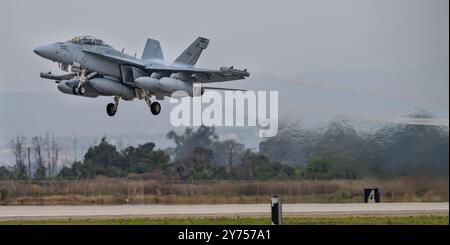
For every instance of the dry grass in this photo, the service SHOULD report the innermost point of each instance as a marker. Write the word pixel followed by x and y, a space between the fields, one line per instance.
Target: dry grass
pixel 121 191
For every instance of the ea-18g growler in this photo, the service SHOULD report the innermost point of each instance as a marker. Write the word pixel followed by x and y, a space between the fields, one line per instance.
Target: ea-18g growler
pixel 94 68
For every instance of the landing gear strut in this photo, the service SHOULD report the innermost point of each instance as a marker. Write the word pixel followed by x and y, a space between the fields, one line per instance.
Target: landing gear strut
pixel 155 107
pixel 111 108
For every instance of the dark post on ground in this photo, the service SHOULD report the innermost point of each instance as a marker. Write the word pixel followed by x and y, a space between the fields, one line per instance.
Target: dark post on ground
pixel 276 210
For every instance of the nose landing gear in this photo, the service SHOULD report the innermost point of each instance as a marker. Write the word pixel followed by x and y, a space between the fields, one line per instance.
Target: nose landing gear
pixel 81 74
pixel 79 90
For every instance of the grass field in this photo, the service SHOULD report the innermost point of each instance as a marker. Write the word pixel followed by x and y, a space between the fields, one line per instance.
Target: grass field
pixel 356 220
pixel 128 191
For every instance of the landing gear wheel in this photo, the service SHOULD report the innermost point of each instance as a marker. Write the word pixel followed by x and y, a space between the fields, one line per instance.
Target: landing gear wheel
pixel 155 107
pixel 75 90
pixel 81 90
pixel 110 109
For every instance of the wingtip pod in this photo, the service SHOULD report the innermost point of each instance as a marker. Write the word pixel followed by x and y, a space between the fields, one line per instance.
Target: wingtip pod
pixel 234 71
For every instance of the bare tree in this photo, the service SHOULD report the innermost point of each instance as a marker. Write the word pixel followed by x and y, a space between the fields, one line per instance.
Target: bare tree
pixel 74 148
pixel 54 157
pixel 18 148
pixel 37 145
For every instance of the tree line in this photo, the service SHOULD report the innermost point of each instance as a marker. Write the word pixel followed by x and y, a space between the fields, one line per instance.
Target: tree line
pixel 337 151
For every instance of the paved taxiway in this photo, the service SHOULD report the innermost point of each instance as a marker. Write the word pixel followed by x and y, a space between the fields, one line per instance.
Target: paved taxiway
pixel 310 209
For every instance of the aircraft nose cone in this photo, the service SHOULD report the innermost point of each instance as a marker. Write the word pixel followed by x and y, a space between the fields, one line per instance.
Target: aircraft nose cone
pixel 45 51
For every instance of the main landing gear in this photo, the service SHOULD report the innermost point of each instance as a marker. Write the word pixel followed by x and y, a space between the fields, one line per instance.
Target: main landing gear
pixel 155 107
pixel 111 108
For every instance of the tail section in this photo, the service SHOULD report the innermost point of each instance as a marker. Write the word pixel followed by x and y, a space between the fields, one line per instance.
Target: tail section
pixel 152 52
pixel 190 56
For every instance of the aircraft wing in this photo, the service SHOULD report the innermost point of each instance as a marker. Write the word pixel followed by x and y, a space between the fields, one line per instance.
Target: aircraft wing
pixel 205 75
pixel 202 75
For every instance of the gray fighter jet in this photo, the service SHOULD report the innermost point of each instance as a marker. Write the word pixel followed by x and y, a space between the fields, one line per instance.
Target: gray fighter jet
pixel 94 68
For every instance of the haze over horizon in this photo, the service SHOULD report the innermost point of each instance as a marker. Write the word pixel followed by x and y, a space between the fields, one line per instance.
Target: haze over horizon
pixel 372 61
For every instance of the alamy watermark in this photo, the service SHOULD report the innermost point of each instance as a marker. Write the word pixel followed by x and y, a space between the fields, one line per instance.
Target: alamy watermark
pixel 233 108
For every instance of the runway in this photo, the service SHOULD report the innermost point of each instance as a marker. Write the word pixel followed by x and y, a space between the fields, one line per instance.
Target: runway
pixel 310 209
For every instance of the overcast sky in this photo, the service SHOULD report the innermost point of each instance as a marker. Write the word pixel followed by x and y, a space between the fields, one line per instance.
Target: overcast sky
pixel 362 59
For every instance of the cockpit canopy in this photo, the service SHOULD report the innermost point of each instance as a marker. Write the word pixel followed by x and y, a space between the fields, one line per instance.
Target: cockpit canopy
pixel 88 40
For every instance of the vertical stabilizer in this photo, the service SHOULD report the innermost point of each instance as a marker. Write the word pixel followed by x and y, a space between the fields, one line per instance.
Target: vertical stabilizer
pixel 152 52
pixel 190 56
